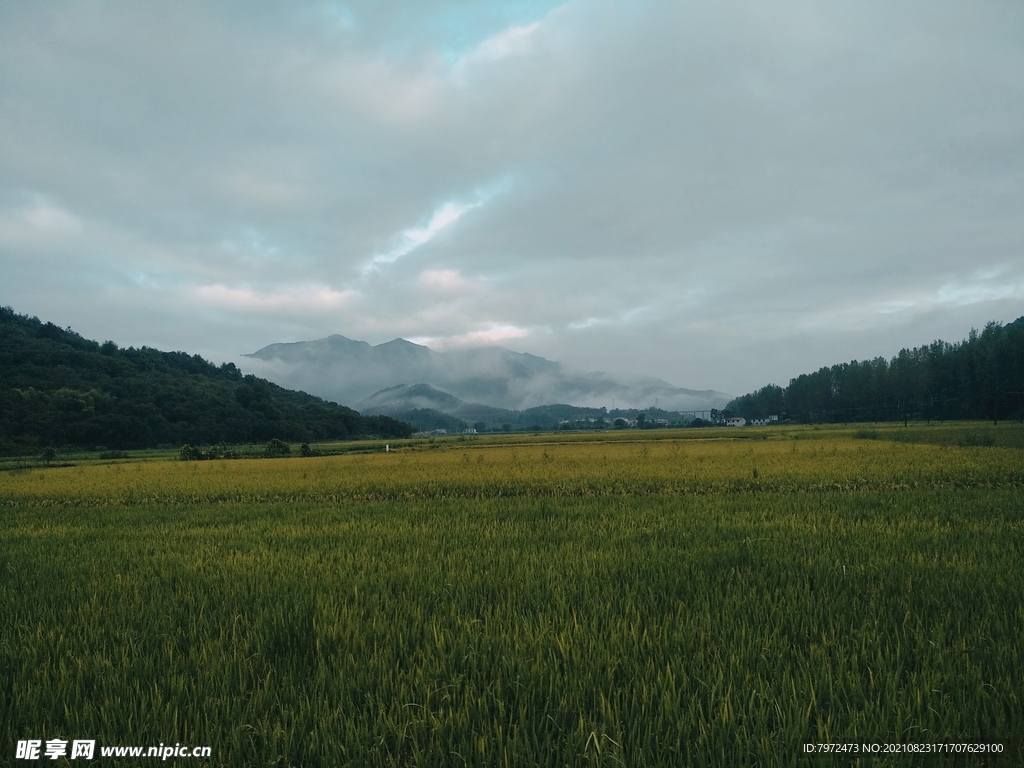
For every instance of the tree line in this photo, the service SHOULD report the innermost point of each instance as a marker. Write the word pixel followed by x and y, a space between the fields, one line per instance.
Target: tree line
pixel 981 377
pixel 59 389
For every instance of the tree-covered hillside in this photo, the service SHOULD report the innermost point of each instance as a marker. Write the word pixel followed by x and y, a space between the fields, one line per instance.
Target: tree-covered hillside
pixel 58 389
pixel 981 377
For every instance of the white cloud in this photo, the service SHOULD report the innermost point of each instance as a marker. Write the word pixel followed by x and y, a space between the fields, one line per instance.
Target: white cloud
pixel 622 318
pixel 295 298
pixel 40 222
pixel 443 217
pixel 976 293
pixel 986 286
pixel 449 282
pixel 902 305
pixel 492 333
pixel 414 237
pixel 379 91
pixel 516 40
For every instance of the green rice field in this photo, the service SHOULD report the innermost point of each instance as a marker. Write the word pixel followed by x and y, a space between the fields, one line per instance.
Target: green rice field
pixel 664 598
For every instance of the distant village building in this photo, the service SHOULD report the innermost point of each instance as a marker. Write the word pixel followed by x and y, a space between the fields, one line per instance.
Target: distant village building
pixel 735 421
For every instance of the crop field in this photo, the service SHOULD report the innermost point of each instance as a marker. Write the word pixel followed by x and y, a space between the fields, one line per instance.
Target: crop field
pixel 662 598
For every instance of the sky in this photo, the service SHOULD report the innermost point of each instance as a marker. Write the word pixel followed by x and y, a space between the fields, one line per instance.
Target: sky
pixel 721 194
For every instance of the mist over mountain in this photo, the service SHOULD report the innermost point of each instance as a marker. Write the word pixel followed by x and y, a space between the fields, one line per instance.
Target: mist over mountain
pixel 348 371
pixel 429 409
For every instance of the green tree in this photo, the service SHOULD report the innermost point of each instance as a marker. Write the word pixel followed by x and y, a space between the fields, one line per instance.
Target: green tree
pixel 277 449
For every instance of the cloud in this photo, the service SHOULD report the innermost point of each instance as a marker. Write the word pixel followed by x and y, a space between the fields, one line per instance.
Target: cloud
pixel 443 217
pixel 264 190
pixel 622 318
pixel 40 222
pixel 492 334
pixel 977 292
pixel 412 238
pixel 516 40
pixel 775 187
pixel 380 91
pixel 449 282
pixel 295 298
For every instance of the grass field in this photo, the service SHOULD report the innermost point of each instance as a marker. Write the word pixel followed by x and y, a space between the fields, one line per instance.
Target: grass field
pixel 714 597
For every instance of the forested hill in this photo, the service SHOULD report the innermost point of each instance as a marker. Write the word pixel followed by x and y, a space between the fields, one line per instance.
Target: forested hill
pixel 981 377
pixel 58 389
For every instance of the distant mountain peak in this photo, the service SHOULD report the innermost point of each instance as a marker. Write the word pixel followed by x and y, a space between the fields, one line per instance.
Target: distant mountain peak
pixel 297 350
pixel 344 370
pixel 400 342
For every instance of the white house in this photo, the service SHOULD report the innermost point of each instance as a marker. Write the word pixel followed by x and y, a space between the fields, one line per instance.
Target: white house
pixel 735 421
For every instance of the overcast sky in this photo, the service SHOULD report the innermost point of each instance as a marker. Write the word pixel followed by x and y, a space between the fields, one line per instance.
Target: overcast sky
pixel 722 194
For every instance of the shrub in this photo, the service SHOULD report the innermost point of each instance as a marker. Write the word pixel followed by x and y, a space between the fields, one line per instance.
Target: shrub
pixel 191 453
pixel 277 448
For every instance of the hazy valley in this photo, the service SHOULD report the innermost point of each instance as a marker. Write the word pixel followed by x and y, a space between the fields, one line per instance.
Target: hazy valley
pixel 490 384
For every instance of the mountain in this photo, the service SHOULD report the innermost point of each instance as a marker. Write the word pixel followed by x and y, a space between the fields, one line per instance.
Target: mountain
pixel 428 409
pixel 344 370
pixel 417 396
pixel 60 389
